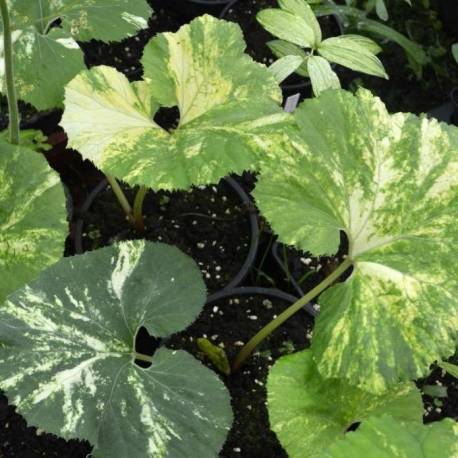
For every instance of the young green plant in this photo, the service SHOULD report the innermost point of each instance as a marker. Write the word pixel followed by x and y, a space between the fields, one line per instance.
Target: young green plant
pixel 296 26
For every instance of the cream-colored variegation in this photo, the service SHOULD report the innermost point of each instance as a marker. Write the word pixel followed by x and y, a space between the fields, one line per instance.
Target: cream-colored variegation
pixel 33 223
pixel 390 182
pixel 229 107
pixel 67 354
pixel 46 58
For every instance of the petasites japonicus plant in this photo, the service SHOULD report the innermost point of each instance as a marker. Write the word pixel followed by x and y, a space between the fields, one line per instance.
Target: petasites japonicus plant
pixel 67 355
pixel 386 437
pixel 45 33
pixel 229 108
pixel 390 182
pixel 309 413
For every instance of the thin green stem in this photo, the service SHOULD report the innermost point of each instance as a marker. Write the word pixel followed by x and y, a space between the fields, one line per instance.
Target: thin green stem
pixel 13 110
pixel 138 209
pixel 142 357
pixel 249 347
pixel 121 197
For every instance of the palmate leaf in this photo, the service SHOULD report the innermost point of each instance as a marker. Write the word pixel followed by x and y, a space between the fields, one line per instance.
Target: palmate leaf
pixel 386 437
pixel 67 355
pixel 47 58
pixel 309 413
pixel 229 110
pixel 33 224
pixel 391 183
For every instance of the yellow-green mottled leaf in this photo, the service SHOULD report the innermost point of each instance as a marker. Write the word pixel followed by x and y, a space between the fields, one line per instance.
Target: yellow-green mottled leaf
pixel 391 183
pixel 33 224
pixel 229 108
pixel 67 355
pixel 386 437
pixel 309 413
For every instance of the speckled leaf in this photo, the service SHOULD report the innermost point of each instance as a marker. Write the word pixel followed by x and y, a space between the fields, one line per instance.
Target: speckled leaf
pixel 308 413
pixel 391 183
pixel 386 437
pixel 229 110
pixel 47 58
pixel 33 224
pixel 67 355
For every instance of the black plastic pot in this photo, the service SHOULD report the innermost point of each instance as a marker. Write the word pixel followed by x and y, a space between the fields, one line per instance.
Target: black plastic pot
pixel 299 83
pixel 245 199
pixel 447 112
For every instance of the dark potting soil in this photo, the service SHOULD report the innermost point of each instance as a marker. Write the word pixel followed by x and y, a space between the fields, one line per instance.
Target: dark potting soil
pixel 210 224
pixel 244 13
pixel 229 323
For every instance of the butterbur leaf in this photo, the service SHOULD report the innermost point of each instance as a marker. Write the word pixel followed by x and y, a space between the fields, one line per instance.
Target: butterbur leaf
pixel 308 413
pixel 386 437
pixel 391 183
pixel 321 75
pixel 46 57
pixel 67 359
pixel 229 108
pixel 283 67
pixel 351 53
pixel 287 26
pixel 282 48
pixel 302 9
pixel 33 224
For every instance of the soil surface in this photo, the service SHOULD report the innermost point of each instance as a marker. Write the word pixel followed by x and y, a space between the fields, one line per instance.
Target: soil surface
pixel 211 224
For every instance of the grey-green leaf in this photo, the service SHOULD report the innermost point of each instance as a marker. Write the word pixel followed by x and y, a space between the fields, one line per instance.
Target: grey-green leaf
pixel 230 109
pixel 67 354
pixel 285 66
pixel 381 10
pixel 455 52
pixel 347 51
pixel 287 26
pixel 391 183
pixel 33 223
pixel 386 437
pixel 309 413
pixel 321 75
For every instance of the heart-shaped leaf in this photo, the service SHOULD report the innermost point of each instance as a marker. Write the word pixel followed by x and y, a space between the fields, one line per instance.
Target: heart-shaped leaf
pixel 229 109
pixel 67 354
pixel 386 437
pixel 33 224
pixel 47 57
pixel 309 413
pixel 391 183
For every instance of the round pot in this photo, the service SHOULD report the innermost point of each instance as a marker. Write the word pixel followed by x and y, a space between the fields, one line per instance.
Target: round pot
pixel 229 320
pixel 293 83
pixel 235 188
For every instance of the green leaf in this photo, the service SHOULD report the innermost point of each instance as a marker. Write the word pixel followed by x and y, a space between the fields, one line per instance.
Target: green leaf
pixel 364 42
pixel 216 355
pixel 455 52
pixel 282 48
pixel 33 224
pixel 347 51
pixel 47 58
pixel 386 437
pixel 435 391
pixel 391 183
pixel 452 369
pixel 381 10
pixel 229 106
pixel 284 66
pixel 309 413
pixel 321 75
pixel 302 9
pixel 67 360
pixel 287 26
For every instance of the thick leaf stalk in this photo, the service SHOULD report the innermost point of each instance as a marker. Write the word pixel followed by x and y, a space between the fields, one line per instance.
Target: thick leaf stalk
pixel 139 221
pixel 122 199
pixel 249 347
pixel 13 110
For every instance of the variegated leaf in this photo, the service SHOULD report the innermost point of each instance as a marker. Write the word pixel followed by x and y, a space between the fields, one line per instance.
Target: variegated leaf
pixel 33 224
pixel 46 57
pixel 67 354
pixel 386 437
pixel 309 413
pixel 391 183
pixel 229 110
